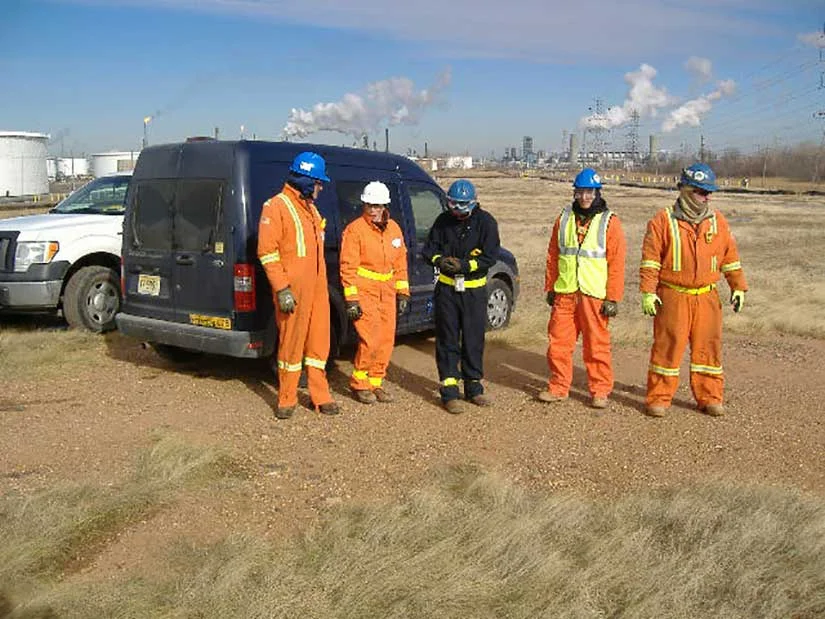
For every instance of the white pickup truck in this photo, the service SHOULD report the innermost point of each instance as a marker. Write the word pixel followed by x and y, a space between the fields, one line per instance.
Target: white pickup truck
pixel 69 258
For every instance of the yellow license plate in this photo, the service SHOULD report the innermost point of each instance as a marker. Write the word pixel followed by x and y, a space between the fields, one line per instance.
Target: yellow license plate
pixel 149 285
pixel 216 322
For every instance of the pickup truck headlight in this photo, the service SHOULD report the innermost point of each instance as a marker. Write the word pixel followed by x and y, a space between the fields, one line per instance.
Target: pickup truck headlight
pixel 33 252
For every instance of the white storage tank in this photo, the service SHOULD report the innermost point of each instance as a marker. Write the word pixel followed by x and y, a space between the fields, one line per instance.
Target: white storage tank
pixel 72 167
pixel 111 162
pixel 23 163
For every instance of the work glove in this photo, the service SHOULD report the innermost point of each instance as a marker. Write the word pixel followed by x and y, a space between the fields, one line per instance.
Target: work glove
pixel 354 311
pixel 403 302
pixel 610 309
pixel 649 302
pixel 450 265
pixel 737 299
pixel 286 301
pixel 551 297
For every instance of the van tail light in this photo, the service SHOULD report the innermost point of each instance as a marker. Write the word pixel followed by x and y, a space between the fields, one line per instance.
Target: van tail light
pixel 244 288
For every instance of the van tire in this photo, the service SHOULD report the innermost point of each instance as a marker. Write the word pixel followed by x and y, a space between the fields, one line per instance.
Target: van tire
pixel 92 299
pixel 175 354
pixel 499 305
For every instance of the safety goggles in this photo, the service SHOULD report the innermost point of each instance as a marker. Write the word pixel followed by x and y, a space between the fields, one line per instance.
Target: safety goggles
pixel 461 205
pixel 701 192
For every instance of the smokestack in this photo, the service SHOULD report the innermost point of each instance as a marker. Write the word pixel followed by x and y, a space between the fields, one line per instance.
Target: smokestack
pixel 374 145
pixel 653 147
pixel 387 140
pixel 426 153
pixel 217 133
pixel 574 148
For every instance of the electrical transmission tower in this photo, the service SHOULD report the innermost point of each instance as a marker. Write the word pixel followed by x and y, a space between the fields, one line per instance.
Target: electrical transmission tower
pixel 632 146
pixel 597 128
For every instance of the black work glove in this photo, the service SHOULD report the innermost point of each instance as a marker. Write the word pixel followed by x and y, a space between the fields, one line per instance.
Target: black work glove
pixel 403 302
pixel 610 309
pixel 551 297
pixel 354 311
pixel 450 265
pixel 286 301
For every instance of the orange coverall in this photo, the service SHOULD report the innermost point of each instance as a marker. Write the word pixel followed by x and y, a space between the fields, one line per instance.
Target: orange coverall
pixel 373 271
pixel 579 313
pixel 681 262
pixel 291 250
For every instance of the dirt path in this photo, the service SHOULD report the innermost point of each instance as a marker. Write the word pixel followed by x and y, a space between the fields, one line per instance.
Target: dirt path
pixel 87 423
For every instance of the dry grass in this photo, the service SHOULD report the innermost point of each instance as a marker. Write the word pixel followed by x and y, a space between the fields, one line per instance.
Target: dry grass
pixel 471 545
pixel 32 347
pixel 47 534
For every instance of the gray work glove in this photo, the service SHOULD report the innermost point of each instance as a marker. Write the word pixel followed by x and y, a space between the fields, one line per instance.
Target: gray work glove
pixel 551 297
pixel 354 311
pixel 610 309
pixel 286 301
pixel 403 302
pixel 450 265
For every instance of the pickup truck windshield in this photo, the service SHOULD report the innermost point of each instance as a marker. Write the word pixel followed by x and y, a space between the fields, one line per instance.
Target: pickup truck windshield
pixel 105 195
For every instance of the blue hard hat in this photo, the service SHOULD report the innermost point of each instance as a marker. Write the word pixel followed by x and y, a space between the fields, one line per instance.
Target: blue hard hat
pixel 587 179
pixel 699 175
pixel 462 196
pixel 310 164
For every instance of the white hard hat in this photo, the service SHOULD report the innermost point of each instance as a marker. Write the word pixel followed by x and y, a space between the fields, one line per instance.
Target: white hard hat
pixel 375 193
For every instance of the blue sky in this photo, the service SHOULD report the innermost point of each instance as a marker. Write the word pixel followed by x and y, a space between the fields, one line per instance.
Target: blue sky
pixel 474 77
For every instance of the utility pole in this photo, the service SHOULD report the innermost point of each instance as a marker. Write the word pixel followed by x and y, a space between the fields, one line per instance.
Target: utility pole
pixel 702 148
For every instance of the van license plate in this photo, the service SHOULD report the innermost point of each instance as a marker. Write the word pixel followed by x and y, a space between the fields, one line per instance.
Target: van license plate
pixel 149 285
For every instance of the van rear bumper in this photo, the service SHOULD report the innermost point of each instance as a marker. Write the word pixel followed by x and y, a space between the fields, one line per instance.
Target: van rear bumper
pixel 247 344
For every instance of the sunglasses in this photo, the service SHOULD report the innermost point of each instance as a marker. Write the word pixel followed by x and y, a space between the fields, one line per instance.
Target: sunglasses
pixel 701 192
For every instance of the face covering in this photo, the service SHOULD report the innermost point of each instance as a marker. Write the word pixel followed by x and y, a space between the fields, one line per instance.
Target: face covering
pixel 304 184
pixel 692 210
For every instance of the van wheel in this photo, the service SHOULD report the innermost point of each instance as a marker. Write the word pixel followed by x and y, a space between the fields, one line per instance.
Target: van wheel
pixel 92 298
pixel 175 354
pixel 499 304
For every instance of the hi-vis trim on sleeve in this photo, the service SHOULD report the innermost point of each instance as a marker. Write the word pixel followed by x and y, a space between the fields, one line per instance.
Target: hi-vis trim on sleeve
pixel 275 256
pixel 473 265
pixel 318 364
pixel 402 284
pixel 658 369
pixel 731 266
pixel 435 258
pixel 651 264
pixel 475 252
pixel 350 291
pixel 706 369
pixel 289 367
pixel 300 242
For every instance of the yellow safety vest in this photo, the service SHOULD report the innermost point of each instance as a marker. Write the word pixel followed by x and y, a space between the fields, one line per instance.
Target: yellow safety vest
pixel 583 267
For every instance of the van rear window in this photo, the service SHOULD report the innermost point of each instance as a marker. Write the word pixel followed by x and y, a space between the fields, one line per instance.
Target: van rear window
pixel 151 211
pixel 198 214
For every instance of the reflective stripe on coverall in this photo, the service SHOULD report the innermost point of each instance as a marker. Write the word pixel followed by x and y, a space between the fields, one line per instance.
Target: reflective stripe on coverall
pixel 682 262
pixel 373 271
pixel 291 250
pixel 600 241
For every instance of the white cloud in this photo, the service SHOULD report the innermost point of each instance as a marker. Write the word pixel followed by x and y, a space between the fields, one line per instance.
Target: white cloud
pixel 814 39
pixel 700 68
pixel 691 112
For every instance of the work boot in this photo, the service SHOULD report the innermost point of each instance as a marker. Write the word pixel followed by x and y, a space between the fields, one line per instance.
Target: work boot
pixel 382 396
pixel 481 400
pixel 454 407
pixel 550 398
pixel 365 396
pixel 714 410
pixel 330 408
pixel 285 412
pixel 655 411
pixel 598 402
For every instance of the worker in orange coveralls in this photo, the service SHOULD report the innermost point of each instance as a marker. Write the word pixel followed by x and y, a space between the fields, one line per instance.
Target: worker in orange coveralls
pixel 584 283
pixel 291 250
pixel 686 247
pixel 374 277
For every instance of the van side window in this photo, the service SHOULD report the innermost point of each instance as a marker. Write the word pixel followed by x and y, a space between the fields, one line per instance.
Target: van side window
pixel 426 206
pixel 198 214
pixel 151 209
pixel 349 201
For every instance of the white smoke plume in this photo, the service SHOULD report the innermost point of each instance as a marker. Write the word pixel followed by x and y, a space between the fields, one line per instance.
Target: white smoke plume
pixel 700 68
pixel 388 102
pixel 691 112
pixel 643 97
pixel 815 39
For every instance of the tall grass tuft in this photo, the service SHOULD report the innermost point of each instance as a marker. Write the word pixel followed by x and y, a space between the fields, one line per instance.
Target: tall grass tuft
pixel 472 545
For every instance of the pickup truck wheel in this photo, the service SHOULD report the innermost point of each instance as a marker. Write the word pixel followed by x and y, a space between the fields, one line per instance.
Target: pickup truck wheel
pixel 92 298
pixel 499 304
pixel 175 354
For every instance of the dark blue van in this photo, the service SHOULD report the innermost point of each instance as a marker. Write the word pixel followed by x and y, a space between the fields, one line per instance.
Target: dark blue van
pixel 191 279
